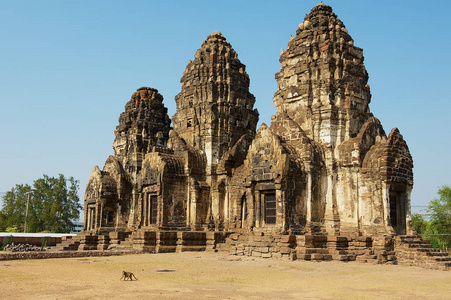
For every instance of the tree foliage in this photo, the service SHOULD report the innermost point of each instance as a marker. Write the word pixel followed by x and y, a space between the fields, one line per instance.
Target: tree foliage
pixel 13 211
pixel 438 229
pixel 440 223
pixel 419 223
pixel 53 205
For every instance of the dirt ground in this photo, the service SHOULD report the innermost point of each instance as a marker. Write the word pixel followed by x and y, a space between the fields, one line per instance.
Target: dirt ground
pixel 215 276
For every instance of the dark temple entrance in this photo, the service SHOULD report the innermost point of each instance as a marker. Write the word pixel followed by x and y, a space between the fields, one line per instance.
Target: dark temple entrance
pixel 397 204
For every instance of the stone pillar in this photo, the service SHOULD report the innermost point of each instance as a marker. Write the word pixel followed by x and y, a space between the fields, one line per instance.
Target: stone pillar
pixel 358 204
pixel 91 218
pixel 99 216
pixel 131 221
pixel 88 218
pixel 146 209
pixel 386 206
pixel 215 205
pixel 118 212
pixel 250 202
pixel 227 207
pixel 194 198
pixel 244 207
pixel 280 208
pixel 258 212
pixel 160 211
pixel 409 228
pixel 309 195
pixel 188 202
pixel 329 212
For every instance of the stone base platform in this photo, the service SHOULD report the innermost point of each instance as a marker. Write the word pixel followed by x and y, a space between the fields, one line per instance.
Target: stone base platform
pixel 384 249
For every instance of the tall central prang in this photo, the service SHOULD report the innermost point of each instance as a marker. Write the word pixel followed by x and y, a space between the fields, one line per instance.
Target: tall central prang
pixel 322 84
pixel 215 107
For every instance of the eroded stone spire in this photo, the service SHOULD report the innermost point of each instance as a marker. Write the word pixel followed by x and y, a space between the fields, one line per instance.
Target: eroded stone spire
pixel 215 107
pixel 322 84
pixel 144 124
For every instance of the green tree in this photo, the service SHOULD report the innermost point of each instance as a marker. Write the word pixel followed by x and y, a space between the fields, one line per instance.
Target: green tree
pixel 13 211
pixel 53 205
pixel 440 224
pixel 419 223
pixel 2 221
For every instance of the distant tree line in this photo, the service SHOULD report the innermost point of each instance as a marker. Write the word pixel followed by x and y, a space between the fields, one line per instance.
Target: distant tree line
pixel 438 228
pixel 53 206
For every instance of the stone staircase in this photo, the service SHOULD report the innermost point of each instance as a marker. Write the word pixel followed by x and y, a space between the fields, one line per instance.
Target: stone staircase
pixel 117 240
pixel 86 240
pixel 338 247
pixel 376 250
pixel 414 251
pixel 312 247
pixel 68 243
pixel 317 245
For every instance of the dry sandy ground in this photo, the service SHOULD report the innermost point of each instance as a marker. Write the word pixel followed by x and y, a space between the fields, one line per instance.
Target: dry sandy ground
pixel 215 276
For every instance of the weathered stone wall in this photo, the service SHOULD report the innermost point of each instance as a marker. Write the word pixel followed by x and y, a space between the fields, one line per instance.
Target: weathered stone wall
pixel 163 177
pixel 260 245
pixel 272 168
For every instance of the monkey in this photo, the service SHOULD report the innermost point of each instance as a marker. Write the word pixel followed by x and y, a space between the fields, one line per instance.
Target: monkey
pixel 128 275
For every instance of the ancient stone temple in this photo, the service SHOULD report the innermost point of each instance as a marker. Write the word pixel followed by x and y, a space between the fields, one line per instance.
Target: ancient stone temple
pixel 322 181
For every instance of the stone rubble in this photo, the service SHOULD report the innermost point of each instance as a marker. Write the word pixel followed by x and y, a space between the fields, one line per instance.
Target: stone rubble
pixel 23 248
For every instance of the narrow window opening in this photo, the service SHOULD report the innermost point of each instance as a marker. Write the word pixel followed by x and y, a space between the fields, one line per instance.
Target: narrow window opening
pixel 154 209
pixel 393 211
pixel 270 208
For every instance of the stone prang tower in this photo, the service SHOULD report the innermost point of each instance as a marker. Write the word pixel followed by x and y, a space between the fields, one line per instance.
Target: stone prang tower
pixel 322 83
pixel 215 107
pixel 144 125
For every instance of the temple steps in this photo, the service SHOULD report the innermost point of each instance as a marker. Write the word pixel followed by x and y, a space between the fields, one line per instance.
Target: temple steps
pixel 69 243
pixel 414 251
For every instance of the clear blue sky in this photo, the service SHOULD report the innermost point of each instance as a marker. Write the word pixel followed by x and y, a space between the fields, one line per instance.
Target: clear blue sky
pixel 67 68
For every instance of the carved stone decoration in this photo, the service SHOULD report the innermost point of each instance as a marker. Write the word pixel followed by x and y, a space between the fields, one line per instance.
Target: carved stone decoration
pixel 215 107
pixel 322 83
pixel 110 199
pixel 322 89
pixel 144 125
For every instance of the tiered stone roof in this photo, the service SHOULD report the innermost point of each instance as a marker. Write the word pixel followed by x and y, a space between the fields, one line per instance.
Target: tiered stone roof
pixel 322 71
pixel 215 107
pixel 143 125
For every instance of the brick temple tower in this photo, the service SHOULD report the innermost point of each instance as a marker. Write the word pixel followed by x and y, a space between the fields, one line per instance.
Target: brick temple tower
pixel 215 107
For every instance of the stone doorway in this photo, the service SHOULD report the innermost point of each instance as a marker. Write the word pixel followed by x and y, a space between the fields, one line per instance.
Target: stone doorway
pixel 152 210
pixel 243 211
pixel 222 200
pixel 90 222
pixel 397 205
